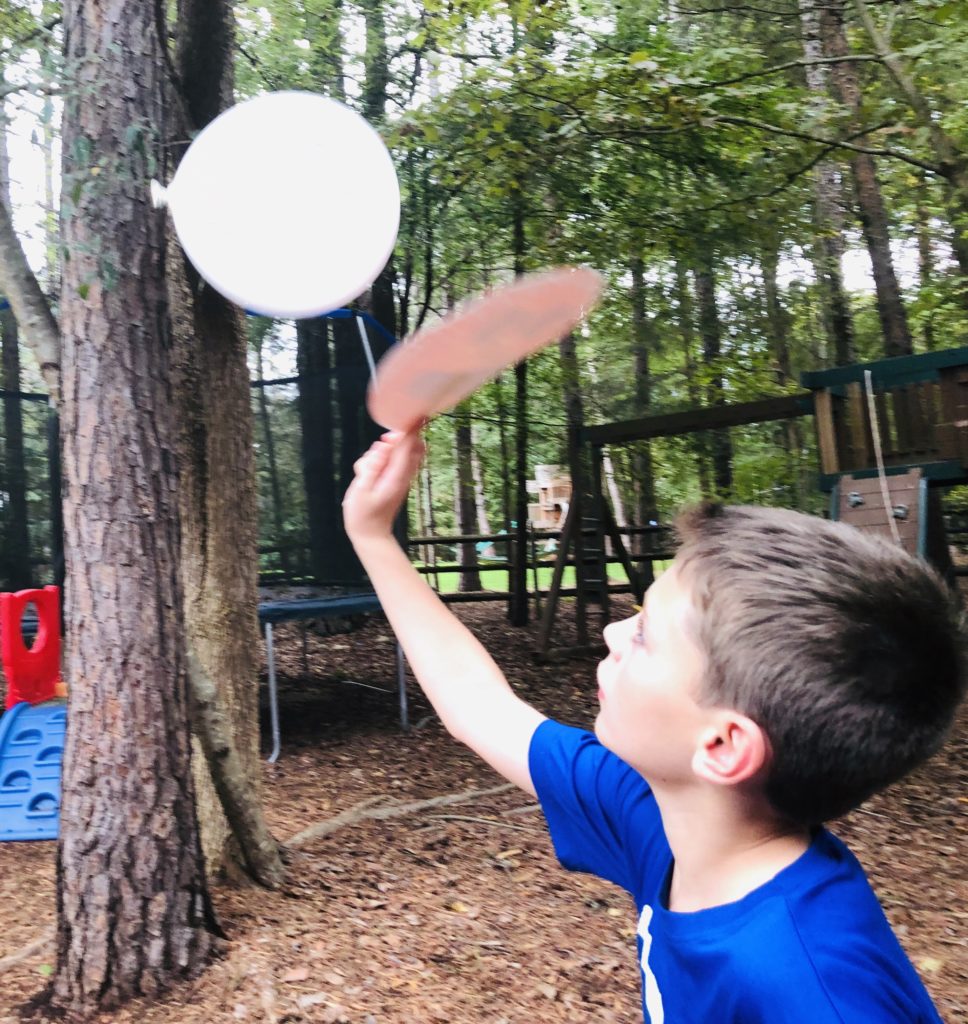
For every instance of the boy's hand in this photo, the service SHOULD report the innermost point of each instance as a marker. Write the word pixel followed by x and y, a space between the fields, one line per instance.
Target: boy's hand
pixel 380 485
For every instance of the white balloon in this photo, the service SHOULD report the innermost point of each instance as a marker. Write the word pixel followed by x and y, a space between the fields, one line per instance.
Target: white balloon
pixel 288 204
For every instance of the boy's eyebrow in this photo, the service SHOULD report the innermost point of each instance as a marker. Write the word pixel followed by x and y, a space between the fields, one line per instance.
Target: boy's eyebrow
pixel 644 612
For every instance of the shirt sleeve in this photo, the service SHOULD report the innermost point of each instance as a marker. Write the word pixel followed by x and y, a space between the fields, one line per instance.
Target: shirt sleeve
pixel 600 812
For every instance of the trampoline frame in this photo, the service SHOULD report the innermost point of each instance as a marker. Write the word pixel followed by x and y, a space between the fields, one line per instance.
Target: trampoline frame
pixel 271 612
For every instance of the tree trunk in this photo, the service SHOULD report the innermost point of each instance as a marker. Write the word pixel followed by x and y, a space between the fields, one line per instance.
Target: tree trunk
pixel 470 578
pixel 778 321
pixel 483 523
pixel 614 491
pixel 519 610
pixel 867 190
pixel 502 431
pixel 133 911
pixel 700 439
pixel 711 332
pixel 430 556
pixel 925 262
pixel 218 493
pixel 777 318
pixel 643 341
pixel 355 432
pixel 275 487
pixel 579 468
pixel 379 301
pixel 17 573
pixel 828 204
pixel 50 135
pixel 318 441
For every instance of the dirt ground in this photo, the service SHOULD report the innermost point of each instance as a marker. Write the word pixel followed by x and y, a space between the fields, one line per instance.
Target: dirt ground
pixel 458 911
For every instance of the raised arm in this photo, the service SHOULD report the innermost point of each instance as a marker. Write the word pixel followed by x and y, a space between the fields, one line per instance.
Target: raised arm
pixel 459 677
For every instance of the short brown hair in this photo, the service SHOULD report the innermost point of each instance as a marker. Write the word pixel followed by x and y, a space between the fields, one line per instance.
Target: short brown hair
pixel 848 652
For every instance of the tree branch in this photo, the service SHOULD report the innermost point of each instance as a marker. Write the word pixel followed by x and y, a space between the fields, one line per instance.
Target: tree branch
pixel 35 946
pixel 776 68
pixel 953 165
pixel 21 289
pixel 365 811
pixel 792 133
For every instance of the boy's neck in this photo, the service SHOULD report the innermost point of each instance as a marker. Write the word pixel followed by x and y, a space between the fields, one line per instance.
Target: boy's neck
pixel 723 849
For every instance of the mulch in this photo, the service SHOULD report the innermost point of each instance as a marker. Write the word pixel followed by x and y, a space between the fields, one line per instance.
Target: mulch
pixel 458 912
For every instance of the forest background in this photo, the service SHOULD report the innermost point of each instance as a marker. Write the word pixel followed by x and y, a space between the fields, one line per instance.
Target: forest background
pixel 769 188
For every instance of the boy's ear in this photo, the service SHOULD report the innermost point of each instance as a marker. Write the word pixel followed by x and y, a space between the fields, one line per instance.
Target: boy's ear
pixel 731 750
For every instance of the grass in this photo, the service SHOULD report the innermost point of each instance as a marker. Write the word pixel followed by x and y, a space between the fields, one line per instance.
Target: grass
pixel 497 579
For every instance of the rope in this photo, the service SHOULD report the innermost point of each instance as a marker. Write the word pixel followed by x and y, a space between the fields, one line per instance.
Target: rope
pixel 366 346
pixel 878 454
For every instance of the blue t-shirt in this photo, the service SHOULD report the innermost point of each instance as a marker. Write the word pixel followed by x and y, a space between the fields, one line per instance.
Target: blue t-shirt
pixel 811 946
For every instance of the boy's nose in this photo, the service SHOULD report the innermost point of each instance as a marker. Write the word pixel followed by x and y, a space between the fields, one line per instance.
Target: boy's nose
pixel 612 635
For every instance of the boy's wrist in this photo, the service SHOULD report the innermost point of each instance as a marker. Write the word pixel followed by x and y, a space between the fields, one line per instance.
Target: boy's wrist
pixel 367 540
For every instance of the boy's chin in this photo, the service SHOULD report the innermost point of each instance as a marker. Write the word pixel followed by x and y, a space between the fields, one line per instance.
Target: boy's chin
pixel 600 729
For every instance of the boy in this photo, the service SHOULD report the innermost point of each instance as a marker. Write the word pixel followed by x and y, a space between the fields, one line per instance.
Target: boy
pixel 782 670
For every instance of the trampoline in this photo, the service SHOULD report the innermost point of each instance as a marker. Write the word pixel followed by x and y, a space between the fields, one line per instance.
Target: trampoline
pixel 337 606
pixel 310 430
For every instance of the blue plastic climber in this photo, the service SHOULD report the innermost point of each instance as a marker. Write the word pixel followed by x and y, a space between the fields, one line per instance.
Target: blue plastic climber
pixel 31 746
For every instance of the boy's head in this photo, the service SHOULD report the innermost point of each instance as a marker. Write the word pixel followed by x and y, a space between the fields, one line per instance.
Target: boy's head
pixel 848 653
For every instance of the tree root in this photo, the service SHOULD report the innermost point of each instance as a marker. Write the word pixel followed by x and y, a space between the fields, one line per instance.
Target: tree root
pixel 366 811
pixel 32 947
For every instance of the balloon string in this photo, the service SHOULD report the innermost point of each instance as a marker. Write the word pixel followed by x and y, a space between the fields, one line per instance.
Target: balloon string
pixel 366 346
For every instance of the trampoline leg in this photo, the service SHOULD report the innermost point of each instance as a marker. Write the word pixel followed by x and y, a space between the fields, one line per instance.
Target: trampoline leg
pixel 402 687
pixel 273 695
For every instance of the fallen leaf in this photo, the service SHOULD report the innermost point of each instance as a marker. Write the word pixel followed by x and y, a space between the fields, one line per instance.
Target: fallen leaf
pixel 296 974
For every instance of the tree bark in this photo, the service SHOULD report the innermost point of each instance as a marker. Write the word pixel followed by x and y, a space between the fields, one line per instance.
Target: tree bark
pixel 867 190
pixel 133 911
pixel 218 494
